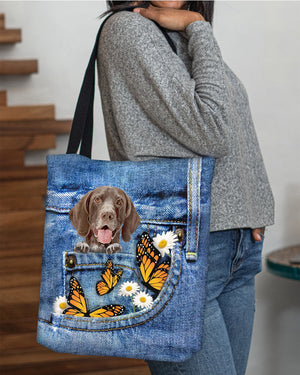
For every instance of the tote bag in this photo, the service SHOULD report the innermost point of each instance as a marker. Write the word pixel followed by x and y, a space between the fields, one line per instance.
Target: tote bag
pixel 124 260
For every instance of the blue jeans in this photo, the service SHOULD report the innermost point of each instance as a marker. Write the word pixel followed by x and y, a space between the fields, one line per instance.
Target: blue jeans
pixel 234 258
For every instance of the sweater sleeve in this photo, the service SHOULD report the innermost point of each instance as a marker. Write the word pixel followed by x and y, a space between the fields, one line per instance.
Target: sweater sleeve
pixel 193 110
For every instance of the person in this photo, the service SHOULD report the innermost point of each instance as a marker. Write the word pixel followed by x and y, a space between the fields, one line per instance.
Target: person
pixel 157 104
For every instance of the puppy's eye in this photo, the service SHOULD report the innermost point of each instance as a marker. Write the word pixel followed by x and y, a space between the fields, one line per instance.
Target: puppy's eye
pixel 97 200
pixel 119 202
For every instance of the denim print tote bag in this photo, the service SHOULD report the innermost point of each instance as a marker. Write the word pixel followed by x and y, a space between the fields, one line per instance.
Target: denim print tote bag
pixel 125 249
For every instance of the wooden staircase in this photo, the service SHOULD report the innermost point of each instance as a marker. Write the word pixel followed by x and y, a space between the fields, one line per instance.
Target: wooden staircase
pixel 22 192
pixel 9 67
pixel 8 36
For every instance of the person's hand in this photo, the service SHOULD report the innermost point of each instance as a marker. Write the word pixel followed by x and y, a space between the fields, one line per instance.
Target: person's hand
pixel 170 18
pixel 256 233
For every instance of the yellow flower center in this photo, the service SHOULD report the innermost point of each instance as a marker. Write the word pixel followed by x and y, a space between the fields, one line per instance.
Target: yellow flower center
pixel 128 288
pixel 162 243
pixel 63 305
pixel 143 299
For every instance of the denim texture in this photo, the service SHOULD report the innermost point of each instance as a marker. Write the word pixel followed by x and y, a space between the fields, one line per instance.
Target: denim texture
pixel 234 259
pixel 168 194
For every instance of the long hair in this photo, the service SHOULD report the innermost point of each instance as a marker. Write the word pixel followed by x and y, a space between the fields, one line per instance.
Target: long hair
pixel 205 8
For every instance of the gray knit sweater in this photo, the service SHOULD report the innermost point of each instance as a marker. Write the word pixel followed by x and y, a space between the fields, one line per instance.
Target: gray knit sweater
pixel 159 104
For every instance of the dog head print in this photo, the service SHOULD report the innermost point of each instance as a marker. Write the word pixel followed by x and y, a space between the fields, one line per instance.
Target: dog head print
pixel 100 216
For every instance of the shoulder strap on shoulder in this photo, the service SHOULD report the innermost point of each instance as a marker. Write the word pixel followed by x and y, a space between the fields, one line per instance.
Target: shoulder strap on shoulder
pixel 82 125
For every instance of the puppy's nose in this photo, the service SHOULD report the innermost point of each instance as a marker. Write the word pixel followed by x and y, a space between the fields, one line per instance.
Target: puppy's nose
pixel 108 215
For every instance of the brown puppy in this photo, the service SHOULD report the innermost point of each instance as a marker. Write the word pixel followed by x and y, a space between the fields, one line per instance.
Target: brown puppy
pixel 99 216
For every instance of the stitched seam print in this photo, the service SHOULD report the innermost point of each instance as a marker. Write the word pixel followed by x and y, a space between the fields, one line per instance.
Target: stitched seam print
pixel 131 325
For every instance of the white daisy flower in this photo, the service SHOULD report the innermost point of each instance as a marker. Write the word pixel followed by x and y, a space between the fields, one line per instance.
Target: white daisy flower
pixel 164 242
pixel 128 288
pixel 143 300
pixel 60 304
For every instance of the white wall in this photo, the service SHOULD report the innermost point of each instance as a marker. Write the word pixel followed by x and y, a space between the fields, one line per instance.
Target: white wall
pixel 259 40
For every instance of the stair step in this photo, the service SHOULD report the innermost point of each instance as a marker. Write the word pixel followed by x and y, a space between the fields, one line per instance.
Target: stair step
pixel 23 250
pixel 25 173
pixel 28 142
pixel 11 67
pixel 3 100
pixel 32 202
pixel 22 325
pixel 40 360
pixel 19 227
pixel 30 294
pixel 2 21
pixel 11 159
pixel 27 112
pixel 17 341
pixel 11 265
pixel 31 357
pixel 34 126
pixel 21 189
pixel 10 36
pixel 22 195
pixel 18 312
pixel 19 279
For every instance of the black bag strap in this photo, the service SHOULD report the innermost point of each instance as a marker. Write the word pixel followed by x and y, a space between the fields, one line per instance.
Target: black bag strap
pixel 82 125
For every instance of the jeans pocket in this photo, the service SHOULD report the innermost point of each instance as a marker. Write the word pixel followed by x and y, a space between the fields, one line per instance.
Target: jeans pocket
pixel 109 291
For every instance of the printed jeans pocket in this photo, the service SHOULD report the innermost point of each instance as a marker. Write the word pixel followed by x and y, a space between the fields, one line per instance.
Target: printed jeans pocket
pixel 120 288
pixel 92 283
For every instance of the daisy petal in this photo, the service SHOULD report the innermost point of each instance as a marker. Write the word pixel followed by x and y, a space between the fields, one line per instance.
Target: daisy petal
pixel 165 242
pixel 143 300
pixel 60 304
pixel 128 288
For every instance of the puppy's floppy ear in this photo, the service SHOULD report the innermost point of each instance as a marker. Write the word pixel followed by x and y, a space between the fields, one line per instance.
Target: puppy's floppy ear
pixel 79 215
pixel 131 222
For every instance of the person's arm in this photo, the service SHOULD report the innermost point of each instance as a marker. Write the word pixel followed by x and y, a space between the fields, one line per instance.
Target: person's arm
pixel 193 110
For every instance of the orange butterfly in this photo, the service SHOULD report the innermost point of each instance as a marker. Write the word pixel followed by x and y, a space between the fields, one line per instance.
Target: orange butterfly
pixel 77 301
pixel 147 256
pixel 110 278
